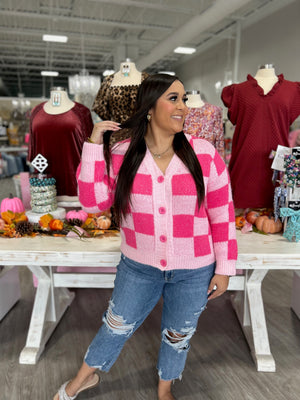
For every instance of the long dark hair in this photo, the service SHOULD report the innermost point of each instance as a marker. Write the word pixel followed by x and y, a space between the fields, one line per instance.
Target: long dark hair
pixel 149 92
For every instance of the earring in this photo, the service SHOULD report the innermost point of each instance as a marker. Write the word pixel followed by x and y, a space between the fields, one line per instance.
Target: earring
pixel 148 117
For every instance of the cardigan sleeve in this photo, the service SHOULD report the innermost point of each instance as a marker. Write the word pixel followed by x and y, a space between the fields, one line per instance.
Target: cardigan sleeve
pixel 95 189
pixel 221 215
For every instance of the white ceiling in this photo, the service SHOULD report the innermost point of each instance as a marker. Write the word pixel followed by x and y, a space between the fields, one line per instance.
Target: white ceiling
pixel 102 33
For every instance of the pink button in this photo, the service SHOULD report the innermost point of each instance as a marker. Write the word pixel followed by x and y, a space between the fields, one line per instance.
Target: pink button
pixel 160 179
pixel 163 238
pixel 163 263
pixel 162 210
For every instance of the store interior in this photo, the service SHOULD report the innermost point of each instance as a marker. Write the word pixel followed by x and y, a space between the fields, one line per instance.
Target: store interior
pixel 229 44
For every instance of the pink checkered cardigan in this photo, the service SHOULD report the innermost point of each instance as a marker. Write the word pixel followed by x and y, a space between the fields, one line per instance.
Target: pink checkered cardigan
pixel 165 228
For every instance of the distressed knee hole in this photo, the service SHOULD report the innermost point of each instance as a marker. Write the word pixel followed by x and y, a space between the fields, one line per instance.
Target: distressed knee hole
pixel 174 337
pixel 116 323
pixel 179 341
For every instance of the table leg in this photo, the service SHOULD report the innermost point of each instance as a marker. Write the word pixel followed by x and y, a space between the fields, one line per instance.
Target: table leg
pixel 49 306
pixel 250 311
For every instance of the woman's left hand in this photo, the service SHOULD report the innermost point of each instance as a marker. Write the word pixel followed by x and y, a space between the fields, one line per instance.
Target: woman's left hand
pixel 221 283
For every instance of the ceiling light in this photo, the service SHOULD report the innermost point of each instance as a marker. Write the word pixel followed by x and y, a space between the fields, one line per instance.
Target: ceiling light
pixel 49 73
pixel 108 72
pixel 167 72
pixel 185 50
pixel 83 83
pixel 55 38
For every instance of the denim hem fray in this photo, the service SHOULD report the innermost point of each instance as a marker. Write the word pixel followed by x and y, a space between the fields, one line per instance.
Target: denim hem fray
pixel 99 367
pixel 168 379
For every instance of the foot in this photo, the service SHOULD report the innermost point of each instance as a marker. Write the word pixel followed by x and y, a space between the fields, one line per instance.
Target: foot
pixel 74 386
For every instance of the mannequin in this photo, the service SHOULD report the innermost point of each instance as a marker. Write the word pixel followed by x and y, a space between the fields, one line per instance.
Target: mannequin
pixel 115 100
pixel 194 99
pixel 58 129
pixel 266 77
pixel 204 120
pixel 127 75
pixel 262 109
pixel 59 101
pixel 109 103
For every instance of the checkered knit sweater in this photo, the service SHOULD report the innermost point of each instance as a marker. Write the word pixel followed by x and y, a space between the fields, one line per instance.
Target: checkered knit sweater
pixel 165 228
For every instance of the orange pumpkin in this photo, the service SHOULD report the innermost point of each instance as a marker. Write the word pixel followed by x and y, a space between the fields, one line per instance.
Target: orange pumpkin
pixel 45 220
pixel 240 221
pixel 268 224
pixel 103 222
pixel 56 224
pixel 251 216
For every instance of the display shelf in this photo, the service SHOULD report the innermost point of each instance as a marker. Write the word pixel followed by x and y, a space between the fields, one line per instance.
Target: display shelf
pixel 12 149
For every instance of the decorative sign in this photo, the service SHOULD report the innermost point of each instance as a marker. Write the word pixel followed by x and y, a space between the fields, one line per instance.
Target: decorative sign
pixel 40 163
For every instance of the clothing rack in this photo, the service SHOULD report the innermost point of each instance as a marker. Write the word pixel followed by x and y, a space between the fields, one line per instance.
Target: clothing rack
pixel 12 161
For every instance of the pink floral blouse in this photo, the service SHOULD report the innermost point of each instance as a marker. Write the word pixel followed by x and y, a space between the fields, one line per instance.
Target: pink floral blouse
pixel 206 122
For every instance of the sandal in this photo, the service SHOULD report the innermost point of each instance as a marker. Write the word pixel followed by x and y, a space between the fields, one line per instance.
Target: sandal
pixel 62 395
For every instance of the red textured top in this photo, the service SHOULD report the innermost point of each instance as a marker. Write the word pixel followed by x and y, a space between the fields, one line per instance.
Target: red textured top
pixel 262 122
pixel 60 138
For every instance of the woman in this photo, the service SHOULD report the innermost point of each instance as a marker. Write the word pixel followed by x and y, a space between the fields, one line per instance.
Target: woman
pixel 173 201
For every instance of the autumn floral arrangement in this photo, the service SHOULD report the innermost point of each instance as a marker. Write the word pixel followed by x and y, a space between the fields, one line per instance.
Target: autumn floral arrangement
pixel 258 220
pixel 76 224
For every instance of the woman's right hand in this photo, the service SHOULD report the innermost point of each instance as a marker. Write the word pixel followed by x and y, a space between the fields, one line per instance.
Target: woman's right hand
pixel 101 127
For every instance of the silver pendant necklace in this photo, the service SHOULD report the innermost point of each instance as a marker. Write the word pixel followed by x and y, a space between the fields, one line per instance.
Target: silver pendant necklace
pixel 159 155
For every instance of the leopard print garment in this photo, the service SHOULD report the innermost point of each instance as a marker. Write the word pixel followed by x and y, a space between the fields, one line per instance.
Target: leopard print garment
pixel 116 103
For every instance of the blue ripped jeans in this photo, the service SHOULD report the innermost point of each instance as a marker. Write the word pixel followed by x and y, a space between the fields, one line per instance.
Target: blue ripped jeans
pixel 138 288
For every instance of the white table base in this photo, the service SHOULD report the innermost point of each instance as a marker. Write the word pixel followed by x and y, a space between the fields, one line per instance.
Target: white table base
pixel 49 306
pixel 250 312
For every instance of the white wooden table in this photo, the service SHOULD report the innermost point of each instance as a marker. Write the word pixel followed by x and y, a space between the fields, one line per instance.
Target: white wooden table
pixel 41 255
pixel 257 255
